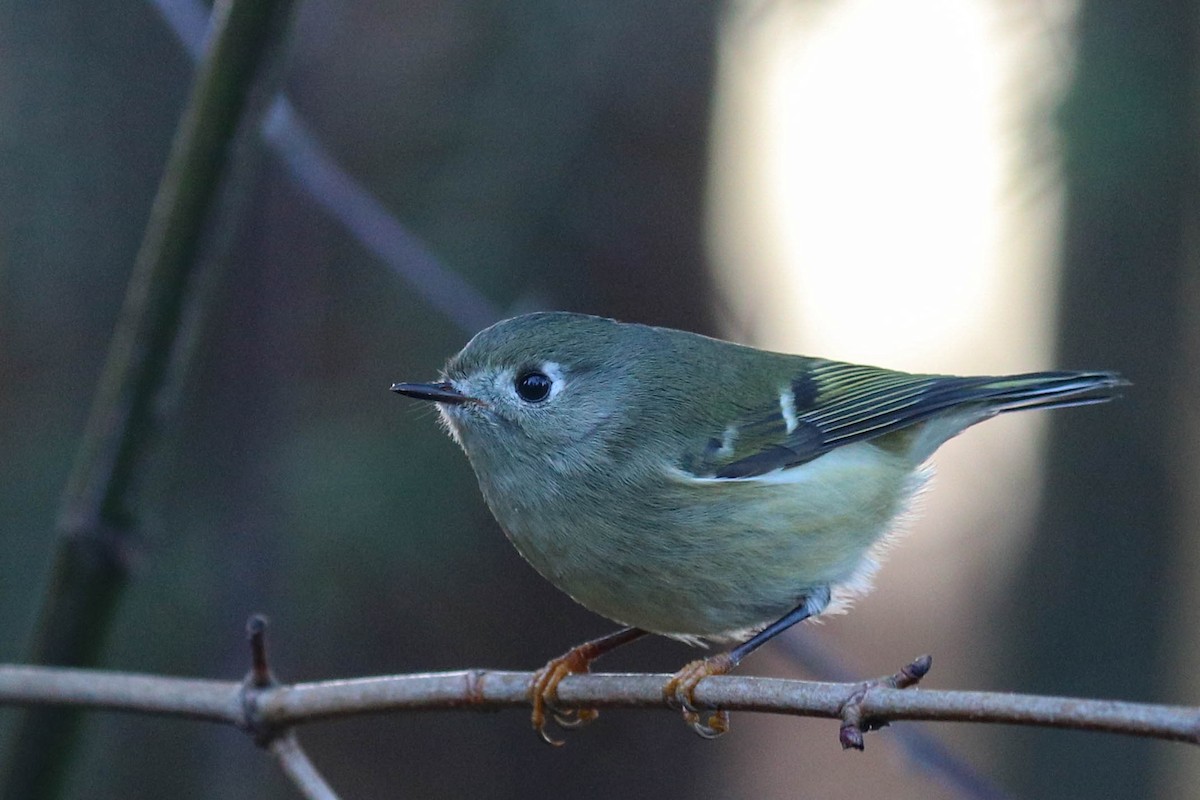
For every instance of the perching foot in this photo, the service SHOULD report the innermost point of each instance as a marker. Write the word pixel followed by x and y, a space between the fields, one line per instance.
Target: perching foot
pixel 680 692
pixel 543 690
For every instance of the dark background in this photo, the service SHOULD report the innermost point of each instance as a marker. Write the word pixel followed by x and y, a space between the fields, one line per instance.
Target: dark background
pixel 553 155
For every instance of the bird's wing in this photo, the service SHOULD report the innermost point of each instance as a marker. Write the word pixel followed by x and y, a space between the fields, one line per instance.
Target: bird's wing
pixel 833 404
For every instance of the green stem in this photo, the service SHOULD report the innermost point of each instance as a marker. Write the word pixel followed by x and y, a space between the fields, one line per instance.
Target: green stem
pixel 91 565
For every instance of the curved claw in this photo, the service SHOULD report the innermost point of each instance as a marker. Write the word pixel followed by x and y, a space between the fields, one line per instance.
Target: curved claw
pixel 543 695
pixel 543 689
pixel 709 724
pixel 680 692
pixel 547 738
pixel 572 718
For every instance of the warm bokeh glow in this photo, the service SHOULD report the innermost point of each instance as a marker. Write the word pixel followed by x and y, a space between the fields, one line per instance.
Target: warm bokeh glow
pixel 872 197
pixel 887 203
pixel 885 191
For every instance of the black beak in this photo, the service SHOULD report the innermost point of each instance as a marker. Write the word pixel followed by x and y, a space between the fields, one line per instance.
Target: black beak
pixel 437 392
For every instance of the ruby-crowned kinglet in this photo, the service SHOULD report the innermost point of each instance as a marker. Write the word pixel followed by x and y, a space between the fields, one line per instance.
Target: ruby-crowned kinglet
pixel 699 489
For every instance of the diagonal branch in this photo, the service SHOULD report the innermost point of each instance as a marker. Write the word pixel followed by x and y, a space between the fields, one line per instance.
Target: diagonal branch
pixel 299 769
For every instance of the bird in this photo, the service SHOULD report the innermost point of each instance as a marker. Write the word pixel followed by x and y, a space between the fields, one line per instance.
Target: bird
pixel 699 489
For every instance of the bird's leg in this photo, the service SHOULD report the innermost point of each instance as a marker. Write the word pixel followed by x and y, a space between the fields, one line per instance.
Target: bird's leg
pixel 680 690
pixel 543 690
pixel 679 693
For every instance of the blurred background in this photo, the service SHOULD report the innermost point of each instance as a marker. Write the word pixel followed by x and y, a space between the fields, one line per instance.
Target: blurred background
pixel 970 186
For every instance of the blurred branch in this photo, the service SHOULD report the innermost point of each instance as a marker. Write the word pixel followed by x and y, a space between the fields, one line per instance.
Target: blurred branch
pixel 370 223
pixel 277 708
pixel 95 519
pixel 324 180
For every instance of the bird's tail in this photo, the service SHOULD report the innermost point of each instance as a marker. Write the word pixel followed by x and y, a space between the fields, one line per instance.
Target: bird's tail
pixel 1045 390
pixel 953 404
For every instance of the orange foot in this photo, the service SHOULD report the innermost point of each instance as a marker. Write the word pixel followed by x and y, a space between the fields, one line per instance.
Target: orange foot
pixel 543 693
pixel 543 690
pixel 680 692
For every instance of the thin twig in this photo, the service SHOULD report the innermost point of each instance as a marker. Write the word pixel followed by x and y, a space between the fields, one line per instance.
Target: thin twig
pixel 482 690
pixel 282 742
pixel 856 721
pixel 260 676
pixel 213 701
pixel 816 657
pixel 95 519
pixel 300 769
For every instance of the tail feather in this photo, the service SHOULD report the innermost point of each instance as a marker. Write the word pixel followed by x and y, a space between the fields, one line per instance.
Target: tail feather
pixel 977 399
pixel 1050 390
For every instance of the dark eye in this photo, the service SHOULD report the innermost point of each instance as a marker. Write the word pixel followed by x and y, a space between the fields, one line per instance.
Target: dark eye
pixel 534 387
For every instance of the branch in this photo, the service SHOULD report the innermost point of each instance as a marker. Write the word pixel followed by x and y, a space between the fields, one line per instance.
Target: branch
pixel 347 200
pixel 276 708
pixel 96 516
pixel 299 769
